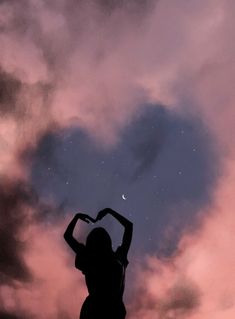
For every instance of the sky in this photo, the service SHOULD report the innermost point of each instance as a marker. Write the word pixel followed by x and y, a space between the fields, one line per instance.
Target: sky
pixel 128 105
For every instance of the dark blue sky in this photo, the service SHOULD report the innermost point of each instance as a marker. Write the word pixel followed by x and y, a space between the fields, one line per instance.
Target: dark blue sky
pixel 164 164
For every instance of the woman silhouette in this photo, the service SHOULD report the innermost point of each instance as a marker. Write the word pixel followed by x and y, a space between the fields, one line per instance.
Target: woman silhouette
pixel 103 268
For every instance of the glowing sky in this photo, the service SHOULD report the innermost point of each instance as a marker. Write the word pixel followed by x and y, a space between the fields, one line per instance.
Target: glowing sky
pixel 104 98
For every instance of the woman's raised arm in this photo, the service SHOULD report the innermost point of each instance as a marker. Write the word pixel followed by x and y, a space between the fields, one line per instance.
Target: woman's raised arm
pixel 128 227
pixel 68 235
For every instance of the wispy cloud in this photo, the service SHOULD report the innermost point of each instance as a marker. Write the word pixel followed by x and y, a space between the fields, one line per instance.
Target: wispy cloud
pixel 96 66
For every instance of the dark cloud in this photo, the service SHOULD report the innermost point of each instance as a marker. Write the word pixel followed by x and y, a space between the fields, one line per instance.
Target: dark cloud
pixel 126 4
pixel 6 1
pixel 19 211
pixel 7 315
pixel 15 200
pixel 16 96
pixel 55 52
pixel 9 90
pixel 181 300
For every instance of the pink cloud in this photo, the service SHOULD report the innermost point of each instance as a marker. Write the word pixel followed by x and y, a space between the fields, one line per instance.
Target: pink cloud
pixel 81 67
pixel 202 268
pixel 56 288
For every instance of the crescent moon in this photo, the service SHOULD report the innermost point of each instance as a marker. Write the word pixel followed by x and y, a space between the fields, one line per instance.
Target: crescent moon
pixel 123 197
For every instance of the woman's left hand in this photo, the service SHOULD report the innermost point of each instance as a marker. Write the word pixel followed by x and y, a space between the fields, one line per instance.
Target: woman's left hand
pixel 102 213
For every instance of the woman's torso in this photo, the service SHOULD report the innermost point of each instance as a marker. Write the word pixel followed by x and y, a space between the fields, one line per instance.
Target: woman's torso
pixel 105 277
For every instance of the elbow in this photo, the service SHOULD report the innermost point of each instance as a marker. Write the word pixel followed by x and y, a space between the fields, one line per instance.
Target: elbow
pixel 129 225
pixel 66 236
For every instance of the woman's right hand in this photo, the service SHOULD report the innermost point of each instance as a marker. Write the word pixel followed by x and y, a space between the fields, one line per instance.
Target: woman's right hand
pixel 84 217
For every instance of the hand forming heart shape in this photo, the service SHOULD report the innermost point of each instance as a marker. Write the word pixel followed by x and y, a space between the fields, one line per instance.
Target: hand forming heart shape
pixel 86 218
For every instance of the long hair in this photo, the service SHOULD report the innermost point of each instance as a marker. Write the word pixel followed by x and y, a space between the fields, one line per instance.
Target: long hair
pixel 99 242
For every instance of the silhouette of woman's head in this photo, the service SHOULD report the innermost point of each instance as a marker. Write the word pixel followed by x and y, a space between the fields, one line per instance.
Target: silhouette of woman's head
pixel 99 241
